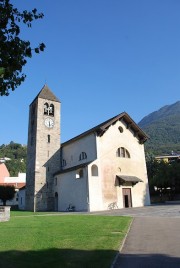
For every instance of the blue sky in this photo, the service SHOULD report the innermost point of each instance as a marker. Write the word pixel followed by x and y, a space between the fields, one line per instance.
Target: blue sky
pixel 102 57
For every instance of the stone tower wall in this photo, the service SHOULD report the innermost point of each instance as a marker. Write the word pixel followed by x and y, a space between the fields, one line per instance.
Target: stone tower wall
pixel 43 156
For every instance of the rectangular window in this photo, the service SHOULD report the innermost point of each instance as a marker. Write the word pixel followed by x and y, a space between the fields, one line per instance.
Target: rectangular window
pixel 49 138
pixel 32 141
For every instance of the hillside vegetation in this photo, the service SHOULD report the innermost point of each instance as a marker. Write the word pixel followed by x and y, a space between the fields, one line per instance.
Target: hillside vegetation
pixel 18 154
pixel 163 128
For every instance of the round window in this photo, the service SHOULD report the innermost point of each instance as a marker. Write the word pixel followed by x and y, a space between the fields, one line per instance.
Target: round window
pixel 120 129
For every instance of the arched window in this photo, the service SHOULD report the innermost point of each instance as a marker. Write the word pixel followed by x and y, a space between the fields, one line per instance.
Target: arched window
pixel 79 174
pixel 63 163
pixel 46 108
pixel 51 110
pixel 94 170
pixel 82 156
pixel 122 152
pixel 56 202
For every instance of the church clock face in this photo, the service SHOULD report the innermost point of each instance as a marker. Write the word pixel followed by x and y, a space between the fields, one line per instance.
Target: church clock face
pixel 49 122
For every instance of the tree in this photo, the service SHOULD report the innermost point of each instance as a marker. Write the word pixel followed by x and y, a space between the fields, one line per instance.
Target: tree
pixel 13 50
pixel 7 192
pixel 17 154
pixel 164 176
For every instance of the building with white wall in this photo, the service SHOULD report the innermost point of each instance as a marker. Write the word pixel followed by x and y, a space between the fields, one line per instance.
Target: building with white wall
pixel 102 168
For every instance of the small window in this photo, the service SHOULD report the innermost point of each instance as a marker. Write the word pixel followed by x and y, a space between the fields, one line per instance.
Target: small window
pixel 32 141
pixel 46 108
pixel 122 152
pixel 79 174
pixel 63 163
pixel 82 156
pixel 49 138
pixel 94 170
pixel 51 110
pixel 120 129
pixel 55 181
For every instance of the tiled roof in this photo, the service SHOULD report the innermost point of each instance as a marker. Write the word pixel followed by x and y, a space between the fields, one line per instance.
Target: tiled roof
pixel 47 94
pixel 102 128
pixel 17 185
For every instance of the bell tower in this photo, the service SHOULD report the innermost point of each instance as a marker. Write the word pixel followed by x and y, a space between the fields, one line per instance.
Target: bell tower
pixel 43 151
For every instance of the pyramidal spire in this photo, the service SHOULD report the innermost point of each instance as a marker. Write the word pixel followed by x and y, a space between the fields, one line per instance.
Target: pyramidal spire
pixel 47 94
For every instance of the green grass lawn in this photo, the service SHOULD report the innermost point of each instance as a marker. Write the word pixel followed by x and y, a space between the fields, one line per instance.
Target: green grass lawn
pixel 60 240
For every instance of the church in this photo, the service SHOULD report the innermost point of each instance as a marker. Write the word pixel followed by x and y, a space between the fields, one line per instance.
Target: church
pixel 100 169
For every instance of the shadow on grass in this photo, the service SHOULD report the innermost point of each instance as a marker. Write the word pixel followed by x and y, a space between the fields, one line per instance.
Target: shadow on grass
pixel 57 258
pixel 62 258
pixel 146 261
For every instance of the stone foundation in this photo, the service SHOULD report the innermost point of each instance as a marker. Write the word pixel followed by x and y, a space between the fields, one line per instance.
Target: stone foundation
pixel 4 213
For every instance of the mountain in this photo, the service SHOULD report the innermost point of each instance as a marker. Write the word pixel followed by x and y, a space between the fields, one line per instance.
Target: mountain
pixel 163 128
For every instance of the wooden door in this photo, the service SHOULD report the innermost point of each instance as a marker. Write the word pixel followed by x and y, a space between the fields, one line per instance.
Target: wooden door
pixel 127 201
pixel 56 202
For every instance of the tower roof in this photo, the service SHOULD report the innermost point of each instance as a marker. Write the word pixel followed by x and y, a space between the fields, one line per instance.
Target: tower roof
pixel 47 94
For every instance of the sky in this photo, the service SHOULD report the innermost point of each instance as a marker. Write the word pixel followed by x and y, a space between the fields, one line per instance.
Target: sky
pixel 102 57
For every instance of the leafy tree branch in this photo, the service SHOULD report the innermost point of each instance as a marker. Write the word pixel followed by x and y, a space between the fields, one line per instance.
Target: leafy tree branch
pixel 13 50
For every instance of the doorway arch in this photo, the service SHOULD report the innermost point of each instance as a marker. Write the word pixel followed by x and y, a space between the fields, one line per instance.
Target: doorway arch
pixel 56 202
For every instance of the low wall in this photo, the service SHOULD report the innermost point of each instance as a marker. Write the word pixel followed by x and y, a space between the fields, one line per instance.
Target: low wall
pixel 4 213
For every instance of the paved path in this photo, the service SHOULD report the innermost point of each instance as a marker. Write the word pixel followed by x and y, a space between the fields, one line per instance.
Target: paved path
pixel 153 240
pixel 149 211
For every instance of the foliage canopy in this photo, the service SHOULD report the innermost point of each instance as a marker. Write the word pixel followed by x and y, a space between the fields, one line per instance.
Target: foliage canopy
pixel 165 176
pixel 7 192
pixel 18 154
pixel 13 50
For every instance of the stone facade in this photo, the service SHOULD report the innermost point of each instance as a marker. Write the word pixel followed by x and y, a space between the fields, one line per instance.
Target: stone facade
pixel 4 213
pixel 43 151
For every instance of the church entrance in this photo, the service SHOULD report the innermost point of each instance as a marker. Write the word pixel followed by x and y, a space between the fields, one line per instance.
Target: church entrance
pixel 56 202
pixel 127 200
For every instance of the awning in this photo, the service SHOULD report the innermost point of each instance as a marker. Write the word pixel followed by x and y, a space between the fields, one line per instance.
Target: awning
pixel 122 179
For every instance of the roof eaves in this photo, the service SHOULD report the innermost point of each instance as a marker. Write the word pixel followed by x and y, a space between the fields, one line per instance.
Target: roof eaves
pixel 72 168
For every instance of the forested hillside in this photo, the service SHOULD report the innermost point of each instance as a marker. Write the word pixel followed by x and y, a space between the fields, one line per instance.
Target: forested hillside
pixel 18 154
pixel 163 128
